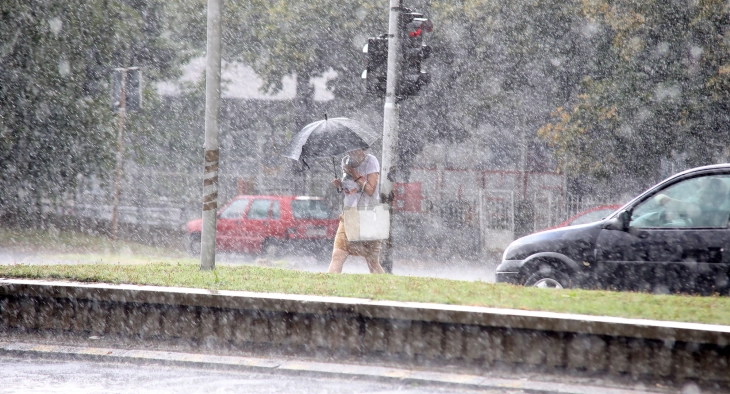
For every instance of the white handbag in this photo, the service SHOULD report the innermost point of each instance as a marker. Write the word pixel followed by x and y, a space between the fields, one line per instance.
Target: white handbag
pixel 367 223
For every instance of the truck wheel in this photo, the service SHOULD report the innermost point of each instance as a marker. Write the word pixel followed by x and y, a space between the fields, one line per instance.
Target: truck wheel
pixel 548 278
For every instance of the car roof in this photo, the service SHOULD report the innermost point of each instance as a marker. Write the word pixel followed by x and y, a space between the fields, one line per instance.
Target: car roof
pixel 724 167
pixel 272 197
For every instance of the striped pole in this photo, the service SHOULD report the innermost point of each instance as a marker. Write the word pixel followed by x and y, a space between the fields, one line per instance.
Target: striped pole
pixel 212 110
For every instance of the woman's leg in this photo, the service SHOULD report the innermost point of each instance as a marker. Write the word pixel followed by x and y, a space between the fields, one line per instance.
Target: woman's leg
pixel 374 265
pixel 340 249
pixel 338 260
pixel 372 257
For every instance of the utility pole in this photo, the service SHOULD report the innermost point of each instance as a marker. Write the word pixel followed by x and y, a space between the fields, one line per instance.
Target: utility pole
pixel 126 95
pixel 390 124
pixel 120 154
pixel 212 111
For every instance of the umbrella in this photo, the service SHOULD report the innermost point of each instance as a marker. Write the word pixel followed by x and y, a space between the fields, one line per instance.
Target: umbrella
pixel 329 138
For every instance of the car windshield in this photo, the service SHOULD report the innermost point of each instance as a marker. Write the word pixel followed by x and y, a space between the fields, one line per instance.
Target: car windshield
pixel 310 209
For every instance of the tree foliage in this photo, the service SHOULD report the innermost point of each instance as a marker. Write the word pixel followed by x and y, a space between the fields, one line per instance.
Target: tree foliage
pixel 55 63
pixel 660 94
pixel 303 37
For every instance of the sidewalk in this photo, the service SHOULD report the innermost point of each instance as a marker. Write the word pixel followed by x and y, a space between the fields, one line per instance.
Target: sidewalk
pixel 565 385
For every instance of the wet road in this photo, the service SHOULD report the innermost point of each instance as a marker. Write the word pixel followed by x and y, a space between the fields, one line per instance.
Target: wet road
pixel 33 375
pixel 461 269
pixel 454 267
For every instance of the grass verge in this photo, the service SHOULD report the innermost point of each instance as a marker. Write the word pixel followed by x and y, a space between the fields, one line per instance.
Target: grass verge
pixel 712 310
pixel 159 268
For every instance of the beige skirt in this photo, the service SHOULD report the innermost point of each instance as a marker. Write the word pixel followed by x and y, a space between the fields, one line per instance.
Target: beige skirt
pixel 370 250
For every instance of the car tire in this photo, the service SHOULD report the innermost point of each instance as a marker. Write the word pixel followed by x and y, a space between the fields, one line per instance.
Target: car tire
pixel 194 244
pixel 271 248
pixel 548 278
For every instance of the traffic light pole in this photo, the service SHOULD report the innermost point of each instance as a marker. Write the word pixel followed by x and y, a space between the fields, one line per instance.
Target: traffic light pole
pixel 120 156
pixel 212 111
pixel 390 125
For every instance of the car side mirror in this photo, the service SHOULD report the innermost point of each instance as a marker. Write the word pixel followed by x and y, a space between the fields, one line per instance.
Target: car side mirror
pixel 620 222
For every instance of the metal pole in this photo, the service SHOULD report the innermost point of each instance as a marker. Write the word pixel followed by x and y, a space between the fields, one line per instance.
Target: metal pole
pixel 212 110
pixel 523 161
pixel 120 156
pixel 390 126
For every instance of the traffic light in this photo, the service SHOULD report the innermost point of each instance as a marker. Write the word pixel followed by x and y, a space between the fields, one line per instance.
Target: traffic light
pixel 376 66
pixel 412 27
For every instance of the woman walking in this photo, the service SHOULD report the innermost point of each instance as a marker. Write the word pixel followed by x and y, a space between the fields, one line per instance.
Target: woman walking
pixel 361 188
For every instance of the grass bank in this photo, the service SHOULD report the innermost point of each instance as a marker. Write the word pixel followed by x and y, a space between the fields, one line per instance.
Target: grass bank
pixel 123 262
pixel 713 310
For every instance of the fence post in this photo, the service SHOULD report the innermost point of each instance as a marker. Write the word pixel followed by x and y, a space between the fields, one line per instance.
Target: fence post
pixel 512 216
pixel 550 210
pixel 482 233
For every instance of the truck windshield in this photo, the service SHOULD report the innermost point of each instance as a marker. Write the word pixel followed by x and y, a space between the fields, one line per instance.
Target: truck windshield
pixel 310 209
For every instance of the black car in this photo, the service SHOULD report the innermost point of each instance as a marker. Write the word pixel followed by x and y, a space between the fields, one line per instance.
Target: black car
pixel 671 238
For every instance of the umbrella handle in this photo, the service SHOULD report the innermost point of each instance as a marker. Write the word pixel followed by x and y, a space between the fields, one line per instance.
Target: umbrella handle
pixel 334 167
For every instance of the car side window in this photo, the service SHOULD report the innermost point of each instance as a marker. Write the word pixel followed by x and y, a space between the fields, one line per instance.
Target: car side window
pixel 235 210
pixel 259 210
pixel 701 202
pixel 275 210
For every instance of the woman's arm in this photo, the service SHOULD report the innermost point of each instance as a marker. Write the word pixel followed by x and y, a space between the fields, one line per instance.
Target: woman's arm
pixel 368 185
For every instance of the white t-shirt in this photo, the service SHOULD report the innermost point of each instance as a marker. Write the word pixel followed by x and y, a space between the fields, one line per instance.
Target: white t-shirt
pixel 353 195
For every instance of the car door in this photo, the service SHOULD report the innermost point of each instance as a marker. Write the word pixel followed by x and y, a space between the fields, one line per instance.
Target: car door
pixel 255 226
pixel 670 247
pixel 277 225
pixel 228 223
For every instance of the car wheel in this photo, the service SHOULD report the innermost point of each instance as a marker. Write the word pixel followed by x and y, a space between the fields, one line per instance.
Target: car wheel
pixel 271 248
pixel 548 278
pixel 194 244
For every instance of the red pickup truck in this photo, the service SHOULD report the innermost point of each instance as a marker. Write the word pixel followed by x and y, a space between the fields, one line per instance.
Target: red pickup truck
pixel 270 224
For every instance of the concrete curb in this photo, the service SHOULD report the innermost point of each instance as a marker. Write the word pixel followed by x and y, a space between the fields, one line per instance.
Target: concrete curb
pixel 301 367
pixel 450 314
pixel 342 328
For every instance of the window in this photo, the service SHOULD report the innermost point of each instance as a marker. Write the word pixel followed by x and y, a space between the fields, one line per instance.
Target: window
pixel 310 209
pixel 702 202
pixel 275 210
pixel 259 210
pixel 235 210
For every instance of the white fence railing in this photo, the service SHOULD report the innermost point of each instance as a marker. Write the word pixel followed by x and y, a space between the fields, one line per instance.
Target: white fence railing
pixel 169 200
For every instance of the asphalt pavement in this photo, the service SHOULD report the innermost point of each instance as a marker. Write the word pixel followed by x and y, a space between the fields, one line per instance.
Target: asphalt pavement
pixel 453 267
pixel 472 269
pixel 43 375
pixel 38 363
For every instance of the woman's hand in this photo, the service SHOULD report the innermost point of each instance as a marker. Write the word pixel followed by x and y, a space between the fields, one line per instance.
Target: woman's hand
pixel 337 183
pixel 351 171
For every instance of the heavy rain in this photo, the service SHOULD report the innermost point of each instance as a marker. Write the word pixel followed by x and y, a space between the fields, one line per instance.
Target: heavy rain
pixel 543 184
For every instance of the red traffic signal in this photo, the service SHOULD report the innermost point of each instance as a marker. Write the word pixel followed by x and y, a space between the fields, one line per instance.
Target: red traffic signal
pixel 412 78
pixel 419 25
